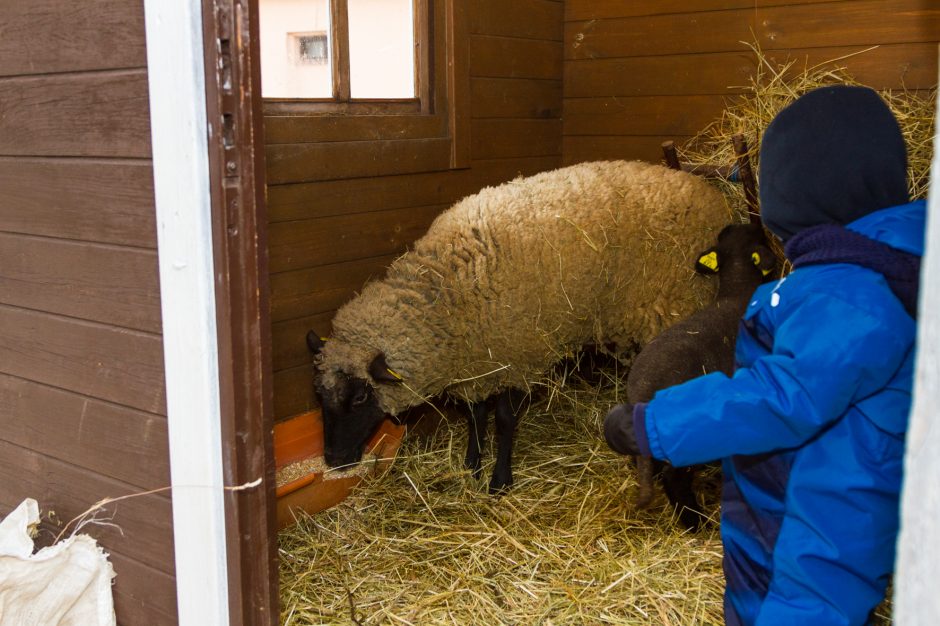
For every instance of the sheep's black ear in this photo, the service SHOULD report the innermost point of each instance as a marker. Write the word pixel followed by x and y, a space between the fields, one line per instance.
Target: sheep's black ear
pixel 382 373
pixel 315 342
pixel 707 262
pixel 764 259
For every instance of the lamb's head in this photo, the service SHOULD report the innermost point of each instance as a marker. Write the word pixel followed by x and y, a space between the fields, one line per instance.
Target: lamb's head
pixel 348 382
pixel 742 257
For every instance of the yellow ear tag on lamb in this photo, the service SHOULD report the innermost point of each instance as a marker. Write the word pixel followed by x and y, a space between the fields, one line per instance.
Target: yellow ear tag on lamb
pixel 756 258
pixel 709 260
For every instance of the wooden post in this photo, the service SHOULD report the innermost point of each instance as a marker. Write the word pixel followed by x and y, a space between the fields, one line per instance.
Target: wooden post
pixel 746 175
pixel 669 154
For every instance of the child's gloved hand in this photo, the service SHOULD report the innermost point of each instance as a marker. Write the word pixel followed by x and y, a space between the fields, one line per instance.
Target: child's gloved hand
pixel 619 431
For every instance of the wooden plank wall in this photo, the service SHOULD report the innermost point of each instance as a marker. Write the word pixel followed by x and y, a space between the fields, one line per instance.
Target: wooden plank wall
pixel 638 73
pixel 335 222
pixel 82 407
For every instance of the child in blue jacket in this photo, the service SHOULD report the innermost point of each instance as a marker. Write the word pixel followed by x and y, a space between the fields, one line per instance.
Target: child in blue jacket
pixel 810 428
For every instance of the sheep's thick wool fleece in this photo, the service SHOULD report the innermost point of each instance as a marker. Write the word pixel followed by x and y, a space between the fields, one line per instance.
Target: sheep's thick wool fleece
pixel 512 279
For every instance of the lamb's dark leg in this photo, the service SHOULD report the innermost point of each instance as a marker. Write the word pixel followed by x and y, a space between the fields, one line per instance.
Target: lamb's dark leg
pixel 677 483
pixel 476 436
pixel 508 407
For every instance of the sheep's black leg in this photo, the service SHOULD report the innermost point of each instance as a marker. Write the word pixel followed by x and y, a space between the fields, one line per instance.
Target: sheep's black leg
pixel 476 436
pixel 508 407
pixel 677 483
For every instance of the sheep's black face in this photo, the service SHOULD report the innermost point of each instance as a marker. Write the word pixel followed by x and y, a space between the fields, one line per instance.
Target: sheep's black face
pixel 351 415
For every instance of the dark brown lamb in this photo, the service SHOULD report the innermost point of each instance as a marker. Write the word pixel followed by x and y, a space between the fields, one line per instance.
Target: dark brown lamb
pixel 700 344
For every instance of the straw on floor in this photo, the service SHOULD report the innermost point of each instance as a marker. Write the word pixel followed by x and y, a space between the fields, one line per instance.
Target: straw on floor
pixel 425 544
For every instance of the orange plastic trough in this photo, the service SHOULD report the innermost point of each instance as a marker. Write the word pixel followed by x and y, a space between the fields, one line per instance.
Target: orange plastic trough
pixel 300 438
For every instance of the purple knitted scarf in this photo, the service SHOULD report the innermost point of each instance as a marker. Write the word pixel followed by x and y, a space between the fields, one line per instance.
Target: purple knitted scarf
pixel 830 243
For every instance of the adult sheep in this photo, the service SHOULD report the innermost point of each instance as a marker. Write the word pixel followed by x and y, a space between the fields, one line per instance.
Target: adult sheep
pixel 508 282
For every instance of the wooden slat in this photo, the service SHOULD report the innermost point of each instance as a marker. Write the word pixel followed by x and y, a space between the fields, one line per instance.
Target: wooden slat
pixel 885 67
pixel 290 163
pixel 123 366
pixel 106 201
pixel 40 36
pixel 296 245
pixel 102 115
pixel 497 138
pixel 142 594
pixel 899 66
pixel 293 392
pixel 578 149
pixel 862 22
pixel 324 288
pixel 283 129
pixel 107 439
pixel 339 197
pixel 694 74
pixel 501 97
pixel 641 115
pixel 68 490
pixel 767 3
pixel 576 10
pixel 499 57
pixel 107 284
pixel 289 339
pixel 528 19
pixel 713 31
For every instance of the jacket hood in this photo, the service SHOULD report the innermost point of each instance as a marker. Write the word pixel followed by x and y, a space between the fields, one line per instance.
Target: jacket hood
pixel 832 156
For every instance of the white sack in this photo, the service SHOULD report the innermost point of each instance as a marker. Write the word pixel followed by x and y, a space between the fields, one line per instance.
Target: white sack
pixel 66 584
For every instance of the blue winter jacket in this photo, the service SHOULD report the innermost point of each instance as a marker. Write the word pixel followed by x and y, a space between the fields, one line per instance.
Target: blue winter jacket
pixel 810 430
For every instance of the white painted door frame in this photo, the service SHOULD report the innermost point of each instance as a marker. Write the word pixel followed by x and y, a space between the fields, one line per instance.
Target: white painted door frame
pixel 916 600
pixel 179 130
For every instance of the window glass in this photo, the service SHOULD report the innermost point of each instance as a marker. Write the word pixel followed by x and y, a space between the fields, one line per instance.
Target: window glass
pixel 381 49
pixel 296 49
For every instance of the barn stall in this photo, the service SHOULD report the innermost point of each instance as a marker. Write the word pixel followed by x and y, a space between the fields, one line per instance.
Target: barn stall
pixel 94 382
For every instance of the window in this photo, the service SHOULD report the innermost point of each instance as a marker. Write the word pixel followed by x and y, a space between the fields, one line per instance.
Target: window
pixel 310 48
pixel 376 49
pixel 393 72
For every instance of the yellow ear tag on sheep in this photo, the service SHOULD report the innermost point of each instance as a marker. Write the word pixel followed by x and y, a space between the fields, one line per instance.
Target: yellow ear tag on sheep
pixel 756 258
pixel 709 260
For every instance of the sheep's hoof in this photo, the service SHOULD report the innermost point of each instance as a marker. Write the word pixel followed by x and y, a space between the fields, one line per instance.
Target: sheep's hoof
pixel 474 465
pixel 500 485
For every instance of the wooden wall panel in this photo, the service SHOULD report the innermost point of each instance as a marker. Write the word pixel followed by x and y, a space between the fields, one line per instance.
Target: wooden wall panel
pixel 140 528
pixel 333 225
pixel 90 433
pixel 114 364
pixel 624 92
pixel 102 114
pixel 98 282
pixel 579 10
pixel 42 37
pixel 85 199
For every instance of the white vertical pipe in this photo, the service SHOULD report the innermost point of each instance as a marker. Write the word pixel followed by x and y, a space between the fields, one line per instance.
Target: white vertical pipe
pixel 179 130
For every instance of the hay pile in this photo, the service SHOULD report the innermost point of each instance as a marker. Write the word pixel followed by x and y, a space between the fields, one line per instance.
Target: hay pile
pixel 774 86
pixel 426 545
